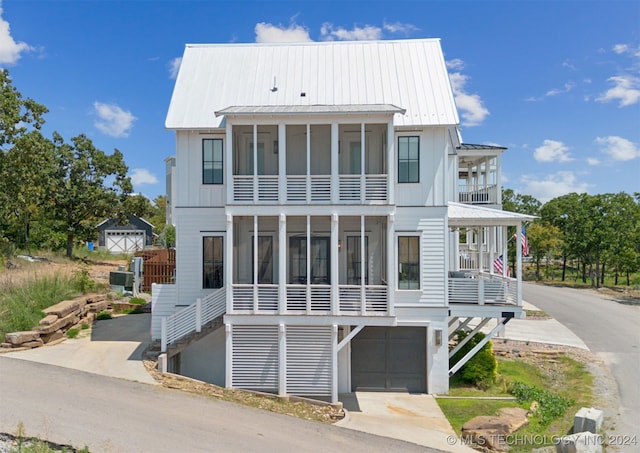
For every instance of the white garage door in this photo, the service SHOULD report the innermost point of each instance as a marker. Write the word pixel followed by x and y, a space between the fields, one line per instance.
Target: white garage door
pixel 124 241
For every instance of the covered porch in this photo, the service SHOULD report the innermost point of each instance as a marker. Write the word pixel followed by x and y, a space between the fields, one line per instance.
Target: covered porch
pixel 309 265
pixel 479 272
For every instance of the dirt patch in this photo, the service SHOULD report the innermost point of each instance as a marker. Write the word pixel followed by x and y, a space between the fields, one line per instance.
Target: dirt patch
pixel 305 409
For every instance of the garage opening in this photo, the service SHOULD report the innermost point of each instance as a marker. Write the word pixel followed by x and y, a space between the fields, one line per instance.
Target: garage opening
pixel 389 359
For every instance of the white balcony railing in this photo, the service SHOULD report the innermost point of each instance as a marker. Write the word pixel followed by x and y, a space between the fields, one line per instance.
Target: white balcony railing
pixel 311 300
pixel 303 189
pixel 478 194
pixel 481 289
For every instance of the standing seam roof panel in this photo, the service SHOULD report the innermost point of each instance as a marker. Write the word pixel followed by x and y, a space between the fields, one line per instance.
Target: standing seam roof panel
pixel 410 74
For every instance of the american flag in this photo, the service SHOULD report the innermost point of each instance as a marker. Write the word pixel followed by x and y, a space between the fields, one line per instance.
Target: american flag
pixel 525 242
pixel 498 265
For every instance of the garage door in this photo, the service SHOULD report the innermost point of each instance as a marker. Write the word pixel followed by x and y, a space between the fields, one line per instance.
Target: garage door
pixel 124 241
pixel 389 359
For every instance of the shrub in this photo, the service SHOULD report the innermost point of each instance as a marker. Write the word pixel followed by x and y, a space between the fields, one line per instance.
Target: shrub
pixel 72 333
pixel 103 315
pixel 85 325
pixel 137 301
pixel 82 281
pixel 481 370
pixel 550 406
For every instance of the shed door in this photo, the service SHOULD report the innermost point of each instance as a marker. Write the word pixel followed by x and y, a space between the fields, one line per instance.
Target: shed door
pixel 124 241
pixel 389 359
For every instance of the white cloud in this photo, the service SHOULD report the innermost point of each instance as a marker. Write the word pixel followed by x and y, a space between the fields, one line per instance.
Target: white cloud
pixel 277 33
pixel 112 120
pixel 553 185
pixel 398 27
pixel 619 148
pixel 593 161
pixel 556 91
pixel 552 151
pixel 174 67
pixel 366 33
pixel 455 65
pixel 140 176
pixel 10 51
pixel 626 90
pixel 473 111
pixel 620 48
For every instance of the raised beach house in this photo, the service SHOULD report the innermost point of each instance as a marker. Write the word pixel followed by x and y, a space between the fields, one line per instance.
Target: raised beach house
pixel 332 229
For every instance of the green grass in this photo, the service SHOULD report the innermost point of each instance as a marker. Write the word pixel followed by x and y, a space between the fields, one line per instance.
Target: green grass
pixel 561 377
pixel 21 304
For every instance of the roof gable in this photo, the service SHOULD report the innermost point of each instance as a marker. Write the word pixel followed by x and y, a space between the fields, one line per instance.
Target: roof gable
pixel 408 74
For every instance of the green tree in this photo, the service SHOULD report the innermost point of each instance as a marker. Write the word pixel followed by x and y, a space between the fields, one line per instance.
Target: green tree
pixel 544 239
pixel 18 117
pixel 88 185
pixel 522 204
pixel 25 175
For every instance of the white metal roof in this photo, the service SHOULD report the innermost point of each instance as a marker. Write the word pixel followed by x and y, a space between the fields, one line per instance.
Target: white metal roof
pixel 469 215
pixel 408 74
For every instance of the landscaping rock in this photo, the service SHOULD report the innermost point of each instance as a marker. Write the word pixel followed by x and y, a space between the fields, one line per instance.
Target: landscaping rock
pixel 17 338
pixel 59 324
pixel 48 320
pixel 51 337
pixel 33 344
pixel 580 443
pixel 491 431
pixel 63 308
pixel 98 306
pixel 588 419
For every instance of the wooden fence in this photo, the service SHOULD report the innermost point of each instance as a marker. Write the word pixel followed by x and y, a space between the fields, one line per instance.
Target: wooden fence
pixel 159 267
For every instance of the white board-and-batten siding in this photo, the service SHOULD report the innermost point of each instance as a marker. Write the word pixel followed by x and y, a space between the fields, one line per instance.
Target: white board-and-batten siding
pixel 431 226
pixel 192 224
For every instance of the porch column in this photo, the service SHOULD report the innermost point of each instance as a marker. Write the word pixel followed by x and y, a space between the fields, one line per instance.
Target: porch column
pixel 505 251
pixel 308 170
pixel 519 262
pixel 363 290
pixel 480 249
pixel 335 263
pixel 391 163
pixel 255 163
pixel 335 162
pixel 228 263
pixel 492 246
pixel 228 162
pixel 228 372
pixel 363 182
pixel 282 163
pixel 254 260
pixel 282 360
pixel 391 266
pixel 308 264
pixel 282 264
pixel 498 181
pixel 334 363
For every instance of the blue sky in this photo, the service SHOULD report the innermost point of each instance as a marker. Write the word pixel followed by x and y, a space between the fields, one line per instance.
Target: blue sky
pixel 557 82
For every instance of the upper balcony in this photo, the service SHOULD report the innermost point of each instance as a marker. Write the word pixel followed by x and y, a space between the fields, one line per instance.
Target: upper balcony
pixel 479 174
pixel 345 163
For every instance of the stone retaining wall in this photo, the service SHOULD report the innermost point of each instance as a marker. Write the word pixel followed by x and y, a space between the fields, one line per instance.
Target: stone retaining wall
pixel 59 318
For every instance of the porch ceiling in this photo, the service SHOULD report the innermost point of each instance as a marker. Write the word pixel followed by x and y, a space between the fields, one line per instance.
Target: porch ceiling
pixel 462 215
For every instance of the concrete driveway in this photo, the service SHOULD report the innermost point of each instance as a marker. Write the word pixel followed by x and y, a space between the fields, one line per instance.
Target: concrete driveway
pixel 112 347
pixel 415 418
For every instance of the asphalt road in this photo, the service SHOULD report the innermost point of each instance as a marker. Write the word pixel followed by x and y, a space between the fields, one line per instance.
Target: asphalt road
pixel 611 329
pixel 114 415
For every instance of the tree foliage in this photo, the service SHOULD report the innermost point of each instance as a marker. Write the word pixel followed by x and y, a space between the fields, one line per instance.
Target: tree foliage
pixel 53 193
